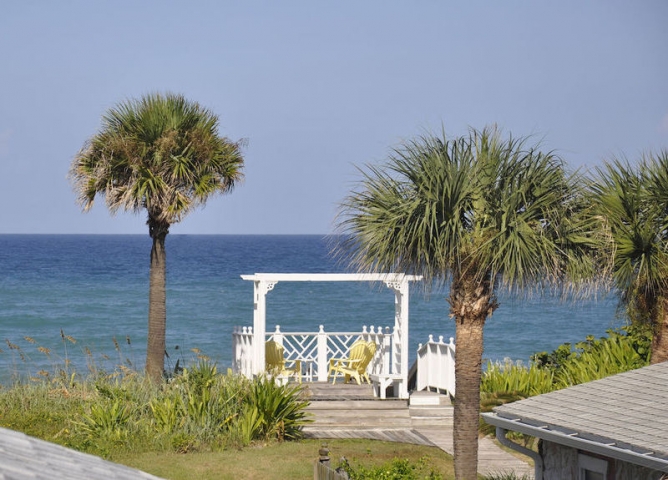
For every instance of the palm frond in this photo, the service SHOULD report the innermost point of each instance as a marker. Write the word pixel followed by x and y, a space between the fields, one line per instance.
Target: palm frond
pixel 161 153
pixel 480 205
pixel 632 201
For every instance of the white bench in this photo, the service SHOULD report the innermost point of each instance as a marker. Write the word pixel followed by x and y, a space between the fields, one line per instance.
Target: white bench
pixel 381 381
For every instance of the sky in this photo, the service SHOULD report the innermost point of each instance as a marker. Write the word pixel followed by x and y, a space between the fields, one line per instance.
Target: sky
pixel 318 89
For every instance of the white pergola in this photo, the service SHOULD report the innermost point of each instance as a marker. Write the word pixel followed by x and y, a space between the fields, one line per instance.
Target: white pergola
pixel 398 282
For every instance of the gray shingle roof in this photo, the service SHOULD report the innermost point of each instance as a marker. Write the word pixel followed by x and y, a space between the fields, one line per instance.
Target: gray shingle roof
pixel 24 457
pixel 626 412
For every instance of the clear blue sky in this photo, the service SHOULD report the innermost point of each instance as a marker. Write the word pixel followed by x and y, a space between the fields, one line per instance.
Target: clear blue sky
pixel 318 87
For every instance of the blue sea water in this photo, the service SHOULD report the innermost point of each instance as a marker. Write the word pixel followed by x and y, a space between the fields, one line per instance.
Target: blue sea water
pixel 94 289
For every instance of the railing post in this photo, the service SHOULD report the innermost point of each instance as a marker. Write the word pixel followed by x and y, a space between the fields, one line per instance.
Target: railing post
pixel 434 367
pixel 278 336
pixel 323 368
pixel 235 349
pixel 396 347
pixel 248 351
pixel 242 349
pixel 387 351
pixel 421 369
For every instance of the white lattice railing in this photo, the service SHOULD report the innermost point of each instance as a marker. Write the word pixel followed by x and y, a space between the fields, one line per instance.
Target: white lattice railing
pixel 315 349
pixel 436 366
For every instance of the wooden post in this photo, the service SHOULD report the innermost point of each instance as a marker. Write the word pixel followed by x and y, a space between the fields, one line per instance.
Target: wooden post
pixel 324 454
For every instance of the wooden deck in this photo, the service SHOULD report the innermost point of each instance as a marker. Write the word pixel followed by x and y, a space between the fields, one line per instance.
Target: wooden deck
pixel 351 411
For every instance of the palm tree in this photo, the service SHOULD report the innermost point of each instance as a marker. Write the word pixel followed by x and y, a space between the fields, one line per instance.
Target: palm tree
pixel 478 212
pixel 632 203
pixel 162 154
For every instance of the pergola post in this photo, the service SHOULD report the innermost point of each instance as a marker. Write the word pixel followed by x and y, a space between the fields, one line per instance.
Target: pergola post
pixel 400 343
pixel 260 289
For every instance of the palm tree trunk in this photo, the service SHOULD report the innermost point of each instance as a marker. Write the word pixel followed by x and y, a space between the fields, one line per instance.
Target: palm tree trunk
pixel 468 371
pixel 471 302
pixel 660 337
pixel 157 299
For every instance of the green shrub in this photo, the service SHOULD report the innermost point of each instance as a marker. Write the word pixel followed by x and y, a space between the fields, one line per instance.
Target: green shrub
pixel 624 342
pixel 511 376
pixel 594 359
pixel 397 469
pixel 280 409
pixel 250 424
pixel 107 419
pixel 168 413
pixel 199 402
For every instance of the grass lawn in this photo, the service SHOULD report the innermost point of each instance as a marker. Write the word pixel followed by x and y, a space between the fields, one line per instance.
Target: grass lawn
pixel 282 461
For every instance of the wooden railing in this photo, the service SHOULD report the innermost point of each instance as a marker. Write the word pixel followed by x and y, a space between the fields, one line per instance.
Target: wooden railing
pixel 314 349
pixel 436 366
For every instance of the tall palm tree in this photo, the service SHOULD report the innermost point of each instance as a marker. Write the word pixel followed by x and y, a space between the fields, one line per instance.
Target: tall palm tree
pixel 162 154
pixel 478 212
pixel 632 202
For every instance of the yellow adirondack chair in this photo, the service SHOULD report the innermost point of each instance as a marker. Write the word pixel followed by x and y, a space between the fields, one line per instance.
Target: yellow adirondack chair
pixel 361 354
pixel 277 365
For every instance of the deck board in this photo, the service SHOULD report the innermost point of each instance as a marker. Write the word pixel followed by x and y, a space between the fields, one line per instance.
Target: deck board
pixel 351 411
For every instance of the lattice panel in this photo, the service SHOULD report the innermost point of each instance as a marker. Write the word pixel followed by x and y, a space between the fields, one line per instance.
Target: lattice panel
pixel 303 347
pixel 339 345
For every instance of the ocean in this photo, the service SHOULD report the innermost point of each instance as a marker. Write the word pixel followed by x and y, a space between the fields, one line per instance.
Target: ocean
pixel 83 299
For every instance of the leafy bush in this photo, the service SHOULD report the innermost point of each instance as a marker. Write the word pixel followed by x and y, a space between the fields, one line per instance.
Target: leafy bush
pixel 397 469
pixel 280 411
pixel 107 419
pixel 516 377
pixel 628 348
pixel 594 359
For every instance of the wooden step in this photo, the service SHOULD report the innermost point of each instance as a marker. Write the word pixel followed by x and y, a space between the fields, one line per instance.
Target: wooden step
pixel 357 422
pixel 347 406
pixel 429 411
pixel 357 405
pixel 359 417
pixel 420 422
pixel 431 416
pixel 338 391
pixel 428 398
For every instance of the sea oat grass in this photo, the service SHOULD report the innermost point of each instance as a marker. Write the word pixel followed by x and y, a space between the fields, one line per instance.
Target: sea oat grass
pixel 197 409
